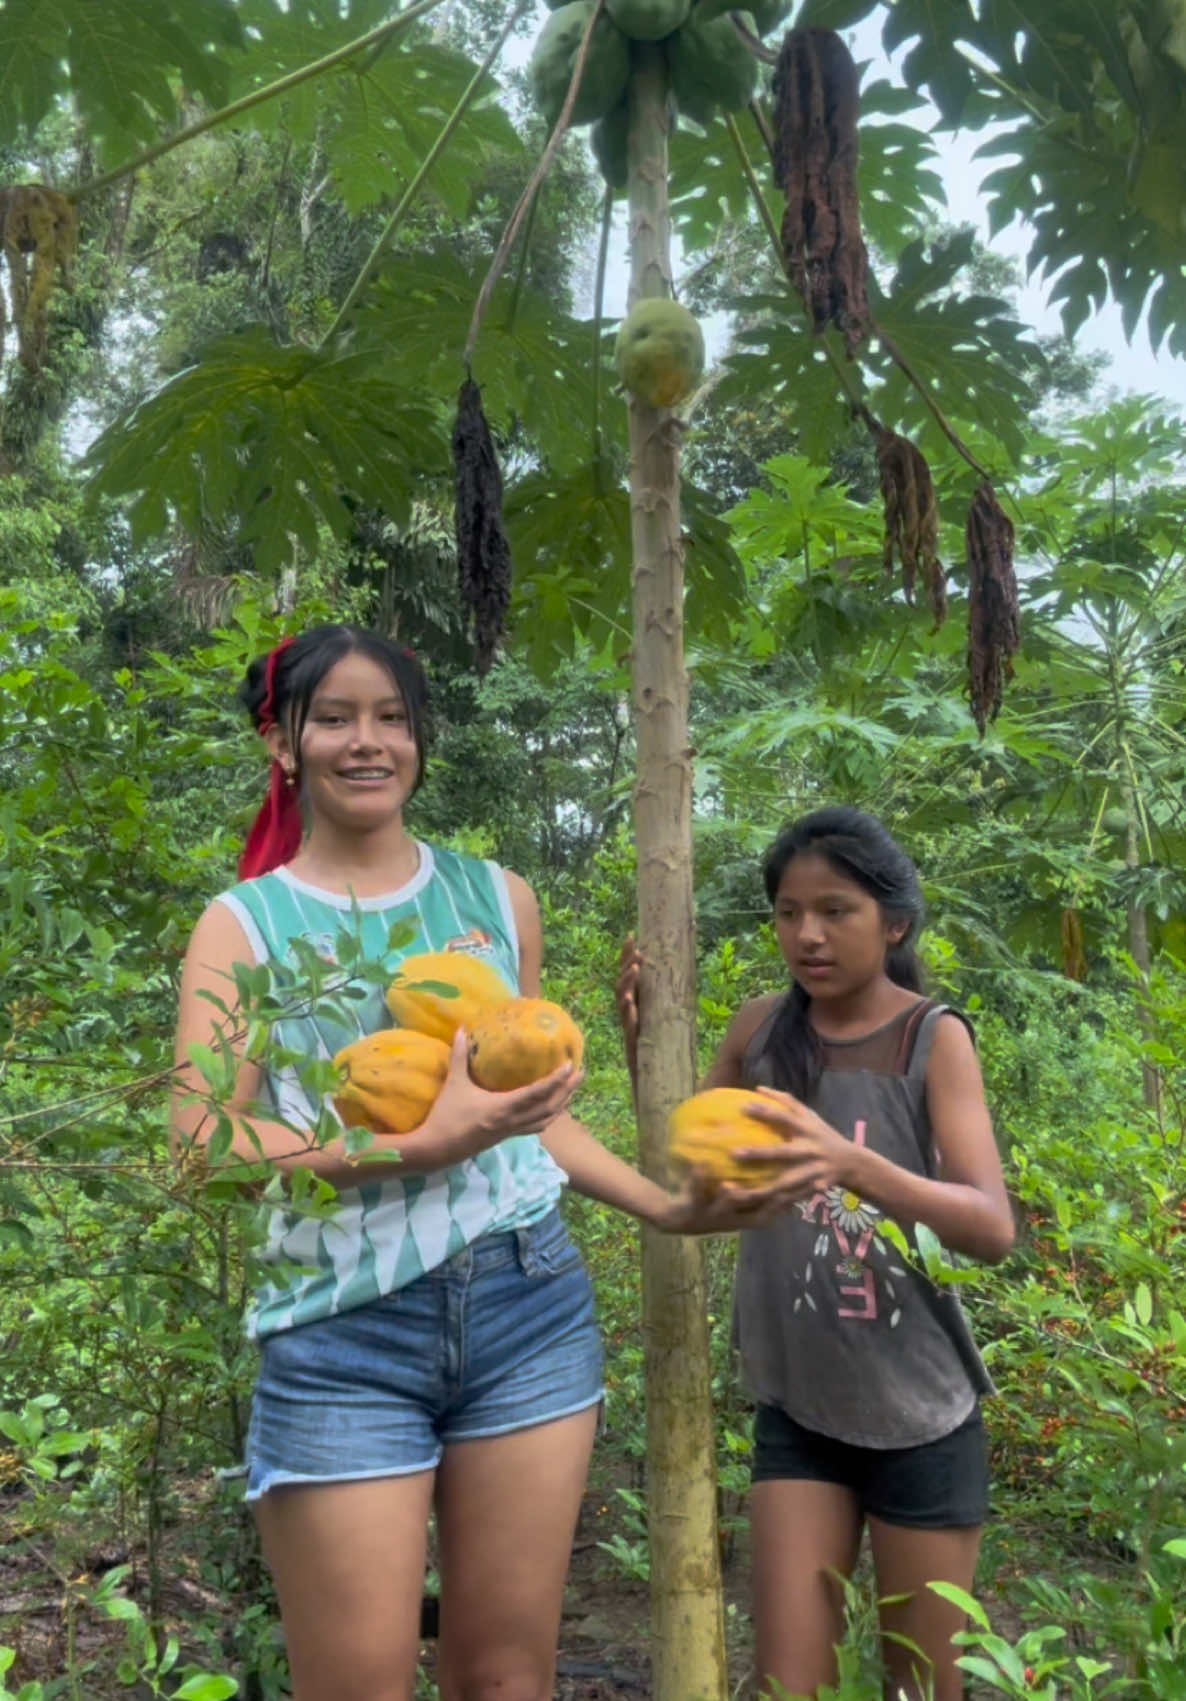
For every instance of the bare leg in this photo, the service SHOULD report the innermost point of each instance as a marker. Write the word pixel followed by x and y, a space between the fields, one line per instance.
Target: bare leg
pixel 348 1563
pixel 906 1560
pixel 805 1534
pixel 506 1512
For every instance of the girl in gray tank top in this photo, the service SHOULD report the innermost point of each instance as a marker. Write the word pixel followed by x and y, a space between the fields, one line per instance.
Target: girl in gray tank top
pixel 865 1374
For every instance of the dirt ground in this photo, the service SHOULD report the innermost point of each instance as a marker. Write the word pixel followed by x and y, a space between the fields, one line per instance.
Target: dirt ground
pixel 603 1654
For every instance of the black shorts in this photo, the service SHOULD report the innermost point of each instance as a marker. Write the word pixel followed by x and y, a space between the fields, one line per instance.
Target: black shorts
pixel 940 1485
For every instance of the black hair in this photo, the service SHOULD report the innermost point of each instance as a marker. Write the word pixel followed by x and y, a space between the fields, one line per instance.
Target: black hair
pixel 300 669
pixel 858 847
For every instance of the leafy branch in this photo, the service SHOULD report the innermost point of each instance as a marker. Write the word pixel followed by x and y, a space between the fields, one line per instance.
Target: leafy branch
pixel 271 91
pixel 409 195
pixel 534 183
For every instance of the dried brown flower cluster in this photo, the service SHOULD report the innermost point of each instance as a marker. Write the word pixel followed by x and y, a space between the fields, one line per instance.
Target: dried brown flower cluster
pixel 911 517
pixel 1074 951
pixel 994 617
pixel 817 106
pixel 483 551
pixel 39 237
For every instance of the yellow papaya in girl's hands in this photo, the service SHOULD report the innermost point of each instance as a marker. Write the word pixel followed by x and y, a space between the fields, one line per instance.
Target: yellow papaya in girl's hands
pixel 440 991
pixel 393 1079
pixel 521 1041
pixel 704 1133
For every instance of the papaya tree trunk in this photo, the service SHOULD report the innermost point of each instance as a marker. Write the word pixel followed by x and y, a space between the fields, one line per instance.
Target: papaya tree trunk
pixel 1138 949
pixel 687 1623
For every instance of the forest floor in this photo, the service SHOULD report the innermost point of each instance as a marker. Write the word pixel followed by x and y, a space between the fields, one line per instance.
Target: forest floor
pixel 64 1643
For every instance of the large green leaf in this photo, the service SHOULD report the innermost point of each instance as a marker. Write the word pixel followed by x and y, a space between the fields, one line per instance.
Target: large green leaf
pixel 534 368
pixel 899 187
pixel 900 190
pixel 776 355
pixel 969 352
pixel 124 62
pixel 571 540
pixel 280 439
pixel 377 113
pixel 1076 186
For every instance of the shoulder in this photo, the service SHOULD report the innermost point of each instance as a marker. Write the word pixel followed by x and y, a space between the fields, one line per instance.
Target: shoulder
pixel 524 903
pixel 752 1014
pixel 726 1069
pixel 220 936
pixel 951 1059
pixel 954 1035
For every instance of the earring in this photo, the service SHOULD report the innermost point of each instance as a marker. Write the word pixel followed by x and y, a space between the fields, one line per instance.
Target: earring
pixel 289 775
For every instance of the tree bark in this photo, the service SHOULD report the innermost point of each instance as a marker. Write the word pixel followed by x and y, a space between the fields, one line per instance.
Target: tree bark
pixel 1138 949
pixel 687 1623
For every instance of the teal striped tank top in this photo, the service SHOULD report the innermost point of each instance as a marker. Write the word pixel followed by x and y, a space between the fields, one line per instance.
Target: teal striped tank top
pixel 385 1234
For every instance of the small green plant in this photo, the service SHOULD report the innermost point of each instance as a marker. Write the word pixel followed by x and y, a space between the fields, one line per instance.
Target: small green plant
pixel 27 1691
pixel 631 1552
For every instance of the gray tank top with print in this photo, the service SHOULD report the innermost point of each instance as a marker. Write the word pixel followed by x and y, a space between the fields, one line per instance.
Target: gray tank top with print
pixel 832 1325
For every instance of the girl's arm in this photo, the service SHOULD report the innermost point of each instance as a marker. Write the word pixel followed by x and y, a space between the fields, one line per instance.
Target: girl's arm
pixel 726 1068
pixel 966 1205
pixel 463 1121
pixel 592 1169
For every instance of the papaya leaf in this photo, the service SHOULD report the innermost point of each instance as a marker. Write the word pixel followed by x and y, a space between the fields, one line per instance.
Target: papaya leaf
pixel 900 189
pixel 1095 227
pixel 969 351
pixel 778 357
pixel 377 114
pixel 571 540
pixel 280 437
pixel 122 61
pixel 535 369
pixel 708 186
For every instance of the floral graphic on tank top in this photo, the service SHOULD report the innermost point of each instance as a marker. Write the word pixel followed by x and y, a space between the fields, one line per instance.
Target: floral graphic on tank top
pixel 849 1226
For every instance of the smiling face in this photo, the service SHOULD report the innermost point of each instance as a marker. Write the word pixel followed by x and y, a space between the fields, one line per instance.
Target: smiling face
pixel 833 933
pixel 358 758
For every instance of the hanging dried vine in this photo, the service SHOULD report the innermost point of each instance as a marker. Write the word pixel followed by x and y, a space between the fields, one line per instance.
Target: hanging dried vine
pixel 39 238
pixel 911 516
pixel 994 615
pixel 816 147
pixel 483 551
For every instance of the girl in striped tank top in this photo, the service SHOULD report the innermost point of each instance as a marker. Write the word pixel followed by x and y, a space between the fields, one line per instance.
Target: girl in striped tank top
pixel 429 1343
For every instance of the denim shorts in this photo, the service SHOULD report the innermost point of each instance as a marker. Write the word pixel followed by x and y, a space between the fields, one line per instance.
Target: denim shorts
pixel 500 1337
pixel 939 1485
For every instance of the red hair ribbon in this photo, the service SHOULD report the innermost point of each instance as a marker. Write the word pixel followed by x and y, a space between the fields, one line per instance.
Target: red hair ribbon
pixel 275 835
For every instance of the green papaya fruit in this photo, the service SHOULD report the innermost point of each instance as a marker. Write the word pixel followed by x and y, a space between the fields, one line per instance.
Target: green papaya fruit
pixel 767 14
pixel 607 69
pixel 609 137
pixel 710 67
pixel 660 352
pixel 648 20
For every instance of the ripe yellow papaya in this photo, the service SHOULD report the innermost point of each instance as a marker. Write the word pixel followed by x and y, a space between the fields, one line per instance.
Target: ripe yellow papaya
pixel 521 1041
pixel 705 1131
pixel 393 1079
pixel 660 352
pixel 440 991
